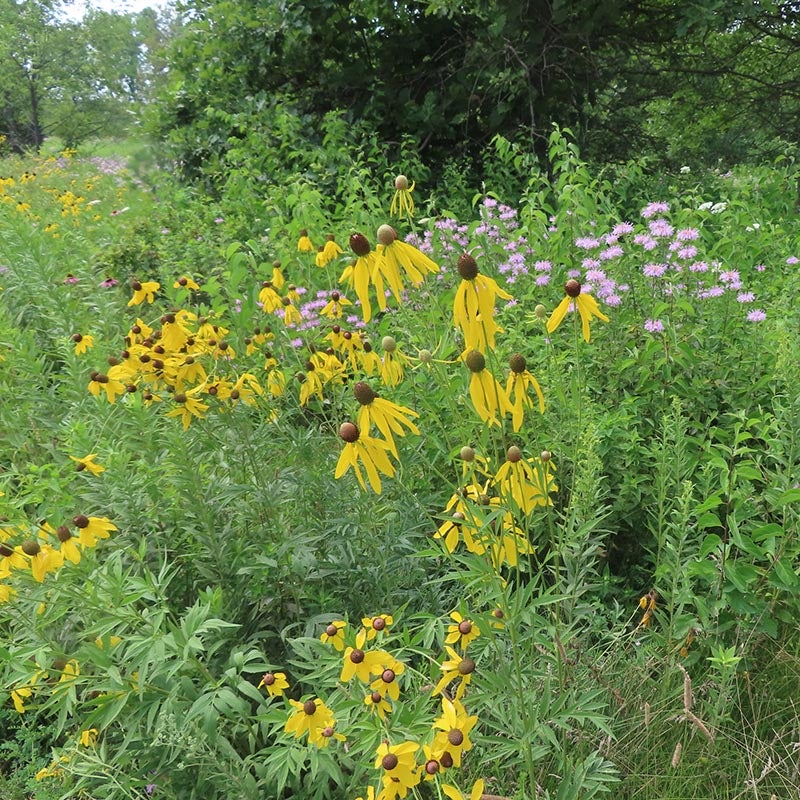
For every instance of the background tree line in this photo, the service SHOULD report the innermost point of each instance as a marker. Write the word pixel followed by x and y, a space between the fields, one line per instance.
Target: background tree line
pixel 75 79
pixel 688 82
pixel 680 82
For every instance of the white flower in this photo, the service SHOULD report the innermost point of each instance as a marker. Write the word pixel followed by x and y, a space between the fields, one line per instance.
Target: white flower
pixel 718 208
pixel 685 170
pixel 704 206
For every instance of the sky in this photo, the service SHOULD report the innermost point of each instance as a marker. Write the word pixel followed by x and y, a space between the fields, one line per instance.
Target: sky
pixel 75 9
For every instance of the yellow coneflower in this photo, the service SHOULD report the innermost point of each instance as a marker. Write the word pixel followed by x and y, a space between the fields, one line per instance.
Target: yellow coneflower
pixel 364 451
pixel 395 255
pixel 402 202
pixel 304 244
pixel 473 306
pixel 143 291
pixel 519 381
pixel 388 417
pixel 585 303
pixel 487 395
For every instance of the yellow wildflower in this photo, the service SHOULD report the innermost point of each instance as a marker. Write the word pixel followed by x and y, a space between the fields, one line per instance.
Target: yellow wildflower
pixel 275 683
pixel 334 634
pixel 83 342
pixel 87 463
pixel 388 417
pixel 371 453
pixel 487 395
pixel 525 483
pixel 304 244
pixel 473 305
pixel 519 381
pixel 143 290
pixel 585 303
pixel 402 202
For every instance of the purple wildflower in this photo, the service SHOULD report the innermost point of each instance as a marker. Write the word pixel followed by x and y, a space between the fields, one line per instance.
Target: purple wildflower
pixel 756 315
pixel 654 326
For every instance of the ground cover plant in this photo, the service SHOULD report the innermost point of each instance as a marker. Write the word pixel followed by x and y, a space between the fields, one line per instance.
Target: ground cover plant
pixel 386 493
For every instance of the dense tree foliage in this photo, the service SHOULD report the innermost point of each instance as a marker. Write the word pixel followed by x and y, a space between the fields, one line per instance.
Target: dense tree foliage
pixel 674 79
pixel 73 79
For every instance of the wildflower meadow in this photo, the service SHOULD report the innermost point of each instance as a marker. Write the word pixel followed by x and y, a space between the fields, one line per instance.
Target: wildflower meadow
pixel 482 489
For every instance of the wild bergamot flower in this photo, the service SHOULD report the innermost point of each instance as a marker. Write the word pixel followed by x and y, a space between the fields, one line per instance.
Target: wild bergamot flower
pixel 585 303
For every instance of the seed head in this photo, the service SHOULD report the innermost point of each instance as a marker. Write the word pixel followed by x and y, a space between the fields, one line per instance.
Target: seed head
pixel 359 244
pixel 425 356
pixel 31 547
pixel 467 267
pixel 310 707
pixel 572 287
pixel 540 311
pixel 80 521
pixel 364 393
pixel 517 363
pixel 514 454
pixel 455 737
pixel 379 623
pixel 386 235
pixel 446 760
pixel 64 533
pixel 389 761
pixel 331 630
pixel 464 627
pixel 466 667
pixel 401 183
pixel 432 766
pixel 546 455
pixel 357 657
pixel 76 337
pixel 349 432
pixel 268 679
pixel 389 344
pixel 387 676
pixel 466 453
pixel 476 361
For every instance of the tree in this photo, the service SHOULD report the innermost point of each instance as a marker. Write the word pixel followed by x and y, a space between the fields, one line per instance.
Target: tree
pixel 73 79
